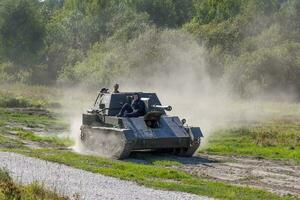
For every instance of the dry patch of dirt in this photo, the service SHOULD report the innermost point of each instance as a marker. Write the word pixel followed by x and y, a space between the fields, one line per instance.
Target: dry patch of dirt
pixel 275 176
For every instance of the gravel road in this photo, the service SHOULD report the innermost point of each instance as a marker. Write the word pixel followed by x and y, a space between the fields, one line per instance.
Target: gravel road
pixel 70 182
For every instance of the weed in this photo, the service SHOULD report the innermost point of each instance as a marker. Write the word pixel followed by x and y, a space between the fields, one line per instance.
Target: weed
pixel 12 191
pixel 4 175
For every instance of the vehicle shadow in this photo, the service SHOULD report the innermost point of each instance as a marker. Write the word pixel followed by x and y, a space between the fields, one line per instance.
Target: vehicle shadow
pixel 152 157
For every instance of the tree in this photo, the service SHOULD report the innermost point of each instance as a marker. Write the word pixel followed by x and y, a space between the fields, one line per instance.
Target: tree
pixel 167 13
pixel 21 31
pixel 216 10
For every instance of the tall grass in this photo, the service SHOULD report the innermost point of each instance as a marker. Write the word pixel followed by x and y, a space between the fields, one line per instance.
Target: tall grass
pixel 9 190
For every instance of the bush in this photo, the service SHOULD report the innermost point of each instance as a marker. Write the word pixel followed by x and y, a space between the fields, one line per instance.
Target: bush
pixel 267 69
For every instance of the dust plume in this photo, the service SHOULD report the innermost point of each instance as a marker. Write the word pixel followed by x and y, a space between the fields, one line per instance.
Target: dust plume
pixel 181 78
pixel 100 142
pixel 175 66
pixel 75 133
pixel 76 101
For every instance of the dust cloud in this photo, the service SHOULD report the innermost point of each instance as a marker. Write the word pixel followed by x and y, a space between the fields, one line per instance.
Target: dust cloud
pixel 77 101
pixel 181 79
pixel 75 133
pixel 106 144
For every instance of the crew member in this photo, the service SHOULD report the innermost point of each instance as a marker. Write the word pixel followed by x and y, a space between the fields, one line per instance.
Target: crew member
pixel 136 109
pixel 116 88
pixel 103 91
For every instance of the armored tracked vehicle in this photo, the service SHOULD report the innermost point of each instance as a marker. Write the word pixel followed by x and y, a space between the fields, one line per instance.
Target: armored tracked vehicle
pixel 103 133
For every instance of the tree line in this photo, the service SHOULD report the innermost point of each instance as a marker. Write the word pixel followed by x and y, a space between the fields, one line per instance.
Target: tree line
pixel 253 45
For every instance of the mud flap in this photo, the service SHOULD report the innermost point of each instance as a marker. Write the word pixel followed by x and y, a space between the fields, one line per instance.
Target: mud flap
pixel 196 134
pixel 196 131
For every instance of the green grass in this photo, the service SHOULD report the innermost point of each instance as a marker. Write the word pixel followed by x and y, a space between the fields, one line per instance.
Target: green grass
pixel 20 95
pixel 158 160
pixel 33 121
pixel 14 102
pixel 9 190
pixel 55 140
pixel 8 100
pixel 151 175
pixel 12 118
pixel 272 140
pixel 156 174
pixel 10 143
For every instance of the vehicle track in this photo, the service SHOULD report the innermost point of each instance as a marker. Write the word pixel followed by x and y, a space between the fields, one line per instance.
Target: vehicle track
pixel 275 176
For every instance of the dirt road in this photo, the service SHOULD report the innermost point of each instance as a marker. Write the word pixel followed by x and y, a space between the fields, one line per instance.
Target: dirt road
pixel 275 176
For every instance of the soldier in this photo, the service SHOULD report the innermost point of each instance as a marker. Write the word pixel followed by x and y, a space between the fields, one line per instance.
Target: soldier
pixel 116 88
pixel 136 109
pixel 103 91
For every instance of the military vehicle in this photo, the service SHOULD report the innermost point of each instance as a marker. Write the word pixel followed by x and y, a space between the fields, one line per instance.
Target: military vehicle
pixel 103 133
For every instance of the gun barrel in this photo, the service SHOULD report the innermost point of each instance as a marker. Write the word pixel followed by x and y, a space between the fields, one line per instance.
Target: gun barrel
pixel 167 108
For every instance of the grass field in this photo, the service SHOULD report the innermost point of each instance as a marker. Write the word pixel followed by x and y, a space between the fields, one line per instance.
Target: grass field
pixel 157 174
pixel 279 139
pixel 20 95
pixel 275 140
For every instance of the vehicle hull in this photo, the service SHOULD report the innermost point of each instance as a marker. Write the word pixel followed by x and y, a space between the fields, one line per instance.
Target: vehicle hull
pixel 118 137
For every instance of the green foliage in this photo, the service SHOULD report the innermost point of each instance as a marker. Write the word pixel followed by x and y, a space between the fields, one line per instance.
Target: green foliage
pixel 214 10
pixel 22 31
pixel 80 24
pixel 150 53
pixel 38 191
pixel 93 42
pixel 256 48
pixel 266 69
pixel 49 7
pixel 168 13
pixel 7 73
